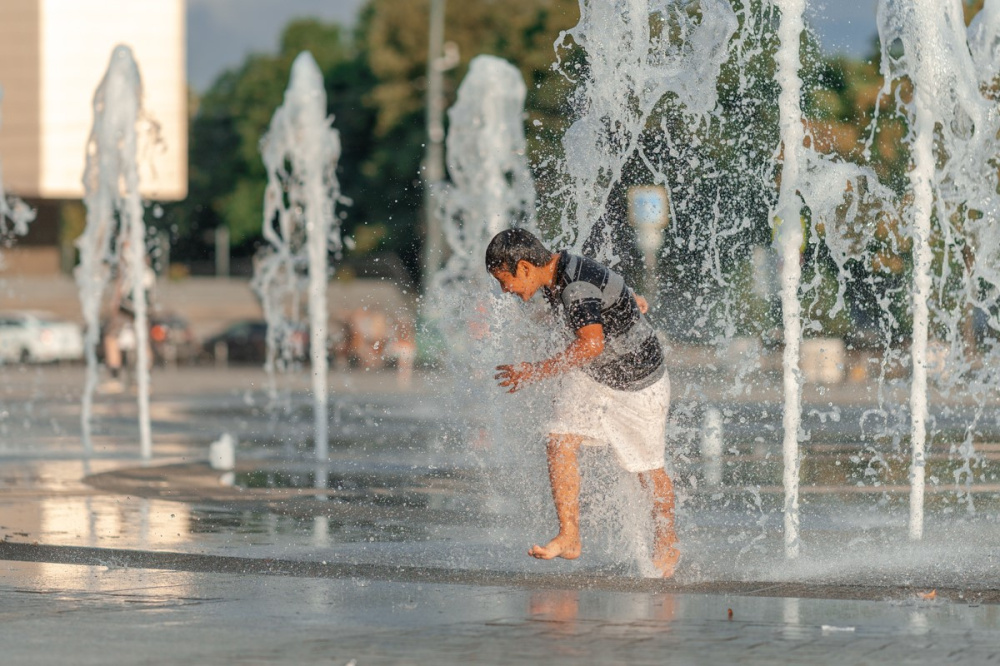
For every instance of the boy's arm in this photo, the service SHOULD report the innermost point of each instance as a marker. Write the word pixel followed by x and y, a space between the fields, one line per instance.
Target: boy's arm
pixel 587 345
pixel 640 301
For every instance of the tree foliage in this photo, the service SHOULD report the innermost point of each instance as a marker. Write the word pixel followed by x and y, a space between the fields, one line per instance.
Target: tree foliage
pixel 227 177
pixel 375 79
pixel 395 45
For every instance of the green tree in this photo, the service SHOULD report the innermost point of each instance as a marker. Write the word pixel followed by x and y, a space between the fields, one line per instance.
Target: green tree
pixel 227 177
pixel 394 38
pixel 375 80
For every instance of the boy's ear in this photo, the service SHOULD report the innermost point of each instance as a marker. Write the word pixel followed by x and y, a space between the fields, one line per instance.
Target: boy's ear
pixel 521 270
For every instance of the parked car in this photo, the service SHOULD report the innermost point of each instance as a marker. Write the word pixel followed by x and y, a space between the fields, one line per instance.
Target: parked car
pixel 29 336
pixel 246 342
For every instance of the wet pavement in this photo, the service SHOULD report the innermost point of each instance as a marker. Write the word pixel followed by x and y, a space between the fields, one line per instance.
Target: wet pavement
pixel 408 556
pixel 112 614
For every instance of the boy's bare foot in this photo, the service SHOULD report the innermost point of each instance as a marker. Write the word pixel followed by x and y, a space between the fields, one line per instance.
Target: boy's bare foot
pixel 566 547
pixel 666 558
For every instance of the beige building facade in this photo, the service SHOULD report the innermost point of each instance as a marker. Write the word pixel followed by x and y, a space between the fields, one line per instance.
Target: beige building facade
pixel 53 55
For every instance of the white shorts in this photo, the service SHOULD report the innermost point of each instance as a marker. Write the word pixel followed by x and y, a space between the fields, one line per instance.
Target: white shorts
pixel 632 423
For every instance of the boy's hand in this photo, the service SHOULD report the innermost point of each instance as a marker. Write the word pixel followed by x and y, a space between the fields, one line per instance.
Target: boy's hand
pixel 642 303
pixel 514 377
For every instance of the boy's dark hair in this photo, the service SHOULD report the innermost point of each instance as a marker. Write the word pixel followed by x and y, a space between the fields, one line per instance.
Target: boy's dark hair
pixel 513 245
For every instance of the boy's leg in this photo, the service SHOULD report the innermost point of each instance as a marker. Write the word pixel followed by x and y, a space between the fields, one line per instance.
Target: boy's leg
pixel 665 552
pixel 564 474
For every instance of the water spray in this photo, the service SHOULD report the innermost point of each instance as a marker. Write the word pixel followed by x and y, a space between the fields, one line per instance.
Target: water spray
pixel 300 152
pixel 113 244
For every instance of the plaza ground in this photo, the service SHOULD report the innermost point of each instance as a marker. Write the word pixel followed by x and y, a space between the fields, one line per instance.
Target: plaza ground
pixel 107 560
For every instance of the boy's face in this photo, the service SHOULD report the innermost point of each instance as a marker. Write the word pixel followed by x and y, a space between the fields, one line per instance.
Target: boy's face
pixel 521 282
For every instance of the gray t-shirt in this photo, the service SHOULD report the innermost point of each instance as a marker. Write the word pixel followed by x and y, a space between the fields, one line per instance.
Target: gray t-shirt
pixel 590 293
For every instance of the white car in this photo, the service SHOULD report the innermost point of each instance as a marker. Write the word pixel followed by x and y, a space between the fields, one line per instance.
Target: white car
pixel 39 337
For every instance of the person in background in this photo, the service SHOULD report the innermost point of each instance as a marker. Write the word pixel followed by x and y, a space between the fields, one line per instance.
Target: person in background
pixel 119 333
pixel 403 349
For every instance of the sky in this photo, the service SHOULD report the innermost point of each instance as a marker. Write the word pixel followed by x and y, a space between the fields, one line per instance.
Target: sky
pixel 221 33
pixel 843 26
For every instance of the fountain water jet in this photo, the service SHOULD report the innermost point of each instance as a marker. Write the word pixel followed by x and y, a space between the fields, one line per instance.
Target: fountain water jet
pixel 953 133
pixel 490 189
pixel 790 239
pixel 15 215
pixel 114 239
pixel 634 61
pixel 300 152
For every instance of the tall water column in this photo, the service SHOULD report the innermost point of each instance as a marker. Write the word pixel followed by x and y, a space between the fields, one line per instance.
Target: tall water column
pixel 15 215
pixel 790 238
pixel 300 152
pixel 491 187
pixel 113 243
pixel 921 177
pixel 953 129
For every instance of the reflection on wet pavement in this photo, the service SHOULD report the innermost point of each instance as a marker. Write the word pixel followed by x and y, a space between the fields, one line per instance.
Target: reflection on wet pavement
pixel 415 551
pixel 226 618
pixel 402 489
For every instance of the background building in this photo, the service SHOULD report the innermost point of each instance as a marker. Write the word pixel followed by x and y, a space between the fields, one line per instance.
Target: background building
pixel 53 54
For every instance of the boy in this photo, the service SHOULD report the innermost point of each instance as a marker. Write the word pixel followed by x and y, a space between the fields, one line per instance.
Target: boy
pixel 614 385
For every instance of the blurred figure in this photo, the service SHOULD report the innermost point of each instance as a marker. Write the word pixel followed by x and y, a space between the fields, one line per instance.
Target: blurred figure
pixel 338 342
pixel 403 349
pixel 119 336
pixel 367 337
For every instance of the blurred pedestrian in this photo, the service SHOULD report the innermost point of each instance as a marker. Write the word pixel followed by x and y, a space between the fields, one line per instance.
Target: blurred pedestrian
pixel 119 336
pixel 403 349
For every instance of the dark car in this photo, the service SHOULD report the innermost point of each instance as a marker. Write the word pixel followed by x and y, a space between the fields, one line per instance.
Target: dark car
pixel 246 342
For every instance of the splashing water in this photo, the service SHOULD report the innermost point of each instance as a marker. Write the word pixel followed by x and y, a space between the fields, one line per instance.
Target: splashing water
pixel 113 244
pixel 15 215
pixel 954 125
pixel 670 93
pixel 300 152
pixel 637 53
pixel 491 189
pixel 683 94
